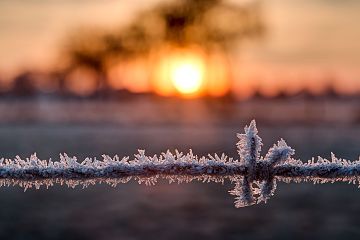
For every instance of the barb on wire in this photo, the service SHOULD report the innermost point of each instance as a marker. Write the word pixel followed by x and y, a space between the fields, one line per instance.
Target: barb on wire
pixel 254 176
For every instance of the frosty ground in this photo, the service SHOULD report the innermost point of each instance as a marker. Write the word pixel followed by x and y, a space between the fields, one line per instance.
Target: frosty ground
pixel 174 211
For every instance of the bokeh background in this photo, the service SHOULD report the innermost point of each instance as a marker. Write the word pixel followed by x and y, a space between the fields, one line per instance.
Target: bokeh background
pixel 93 77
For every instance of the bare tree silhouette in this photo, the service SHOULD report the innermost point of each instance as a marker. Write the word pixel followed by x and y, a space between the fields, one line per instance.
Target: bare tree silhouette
pixel 211 24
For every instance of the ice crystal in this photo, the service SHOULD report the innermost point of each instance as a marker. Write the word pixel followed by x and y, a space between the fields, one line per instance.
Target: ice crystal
pixel 254 176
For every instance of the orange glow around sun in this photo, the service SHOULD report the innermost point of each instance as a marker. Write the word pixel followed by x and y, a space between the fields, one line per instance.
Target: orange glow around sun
pixel 189 73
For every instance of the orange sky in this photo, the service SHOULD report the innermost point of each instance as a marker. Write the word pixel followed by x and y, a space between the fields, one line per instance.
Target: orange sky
pixel 308 40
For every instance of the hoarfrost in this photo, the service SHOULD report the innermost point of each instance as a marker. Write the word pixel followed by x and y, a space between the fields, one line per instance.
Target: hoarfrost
pixel 255 177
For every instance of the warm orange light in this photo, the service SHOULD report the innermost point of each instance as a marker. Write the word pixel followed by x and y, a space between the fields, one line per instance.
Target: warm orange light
pixel 189 72
pixel 131 75
pixel 187 76
pixel 82 81
pixel 180 71
pixel 217 75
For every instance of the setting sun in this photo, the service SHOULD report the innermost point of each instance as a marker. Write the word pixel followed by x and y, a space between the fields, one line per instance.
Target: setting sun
pixel 187 77
pixel 190 72
pixel 180 72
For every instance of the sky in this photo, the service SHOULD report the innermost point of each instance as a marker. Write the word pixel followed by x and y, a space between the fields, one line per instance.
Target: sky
pixel 306 39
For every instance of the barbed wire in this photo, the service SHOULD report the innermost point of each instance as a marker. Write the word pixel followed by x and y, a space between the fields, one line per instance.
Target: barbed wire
pixel 254 176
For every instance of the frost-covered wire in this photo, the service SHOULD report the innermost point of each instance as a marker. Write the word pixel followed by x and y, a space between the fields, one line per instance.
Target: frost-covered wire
pixel 254 176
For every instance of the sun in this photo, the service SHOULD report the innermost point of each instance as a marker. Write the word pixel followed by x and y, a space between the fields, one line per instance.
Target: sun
pixel 180 72
pixel 187 77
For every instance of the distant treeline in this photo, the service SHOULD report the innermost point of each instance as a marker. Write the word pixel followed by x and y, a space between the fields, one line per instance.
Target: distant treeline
pixel 34 84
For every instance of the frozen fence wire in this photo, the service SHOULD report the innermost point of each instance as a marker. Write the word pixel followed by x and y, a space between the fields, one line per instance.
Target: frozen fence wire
pixel 254 176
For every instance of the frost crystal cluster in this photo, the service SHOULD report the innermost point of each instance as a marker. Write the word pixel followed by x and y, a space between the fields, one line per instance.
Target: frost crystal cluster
pixel 254 176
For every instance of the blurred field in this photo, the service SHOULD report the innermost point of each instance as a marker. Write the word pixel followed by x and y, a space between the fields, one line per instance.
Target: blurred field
pixel 156 111
pixel 188 211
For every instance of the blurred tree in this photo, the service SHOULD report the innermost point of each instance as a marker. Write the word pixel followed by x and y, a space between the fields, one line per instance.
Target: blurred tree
pixel 24 85
pixel 211 24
